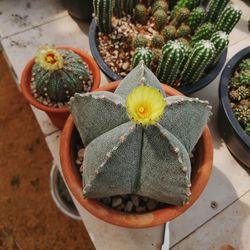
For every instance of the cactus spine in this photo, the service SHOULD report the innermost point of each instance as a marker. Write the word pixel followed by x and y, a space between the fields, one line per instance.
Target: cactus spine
pixel 215 8
pixel 142 54
pixel 228 19
pixel 204 32
pixel 103 11
pixel 160 18
pixel 202 54
pixel 173 54
pixel 169 32
pixel 220 40
pixel 141 14
pixel 140 41
pixel 196 18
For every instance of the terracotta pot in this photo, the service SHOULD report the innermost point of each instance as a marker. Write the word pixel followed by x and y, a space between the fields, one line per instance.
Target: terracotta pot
pixel 200 175
pixel 58 116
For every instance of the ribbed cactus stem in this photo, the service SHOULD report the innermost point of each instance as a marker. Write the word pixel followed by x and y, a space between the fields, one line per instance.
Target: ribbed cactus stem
pixel 103 11
pixel 202 54
pixel 129 5
pixel 204 32
pixel 142 54
pixel 228 19
pixel 196 18
pixel 118 8
pixel 215 8
pixel 173 55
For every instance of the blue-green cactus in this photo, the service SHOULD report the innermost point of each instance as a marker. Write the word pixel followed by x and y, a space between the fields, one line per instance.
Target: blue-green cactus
pixel 119 154
pixel 142 54
pixel 196 18
pixel 214 10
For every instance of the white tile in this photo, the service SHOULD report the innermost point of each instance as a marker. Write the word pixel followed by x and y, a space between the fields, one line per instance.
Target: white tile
pixel 17 16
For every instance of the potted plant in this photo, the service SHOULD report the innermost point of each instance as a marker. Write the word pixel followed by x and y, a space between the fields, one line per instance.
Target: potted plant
pixel 186 47
pixel 136 173
pixel 54 75
pixel 234 118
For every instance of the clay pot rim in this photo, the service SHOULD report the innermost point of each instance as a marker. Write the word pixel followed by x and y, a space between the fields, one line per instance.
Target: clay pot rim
pixel 25 85
pixel 112 216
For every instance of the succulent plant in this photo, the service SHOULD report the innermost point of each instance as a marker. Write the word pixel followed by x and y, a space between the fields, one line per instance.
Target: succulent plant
pixel 182 15
pixel 184 42
pixel 157 41
pixel 245 77
pixel 228 19
pixel 202 54
pixel 129 5
pixel 160 18
pixel 242 114
pixel 58 73
pixel 204 32
pixel 142 54
pixel 160 4
pixel 214 9
pixel 173 55
pixel 169 32
pixel 141 14
pixel 190 4
pixel 196 18
pixel 234 82
pixel 183 31
pixel 103 10
pixel 245 64
pixel 220 40
pixel 118 8
pixel 239 93
pixel 138 152
pixel 140 41
pixel 156 55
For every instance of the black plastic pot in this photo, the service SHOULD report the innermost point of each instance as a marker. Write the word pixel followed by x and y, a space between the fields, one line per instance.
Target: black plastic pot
pixel 203 82
pixel 237 141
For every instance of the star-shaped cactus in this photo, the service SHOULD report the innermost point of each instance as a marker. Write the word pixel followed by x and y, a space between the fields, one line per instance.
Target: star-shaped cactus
pixel 131 155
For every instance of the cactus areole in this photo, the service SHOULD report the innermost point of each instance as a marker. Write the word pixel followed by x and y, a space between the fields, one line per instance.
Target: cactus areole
pixel 137 140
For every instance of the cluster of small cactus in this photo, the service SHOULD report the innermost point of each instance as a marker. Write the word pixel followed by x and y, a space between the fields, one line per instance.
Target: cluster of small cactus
pixel 142 54
pixel 124 157
pixel 239 94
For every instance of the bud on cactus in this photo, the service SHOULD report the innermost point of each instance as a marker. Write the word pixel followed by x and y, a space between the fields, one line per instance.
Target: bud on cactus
pixel 140 41
pixel 138 152
pixel 142 54
pixel 196 18
pixel 160 18
pixel 214 10
pixel 228 19
pixel 173 55
pixel 141 14
pixel 169 32
pixel 204 32
pixel 103 10
pixel 160 4
pixel 183 31
pixel 182 15
pixel 157 41
pixel 58 73
pixel 202 54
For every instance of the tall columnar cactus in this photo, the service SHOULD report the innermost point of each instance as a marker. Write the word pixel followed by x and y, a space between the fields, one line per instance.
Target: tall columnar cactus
pixel 58 73
pixel 204 32
pixel 169 32
pixel 228 19
pixel 103 10
pixel 173 55
pixel 183 31
pixel 220 40
pixel 201 57
pixel 142 54
pixel 190 4
pixel 129 5
pixel 140 41
pixel 215 8
pixel 196 18
pixel 141 14
pixel 138 152
pixel 160 4
pixel 160 18
pixel 157 41
pixel 118 8
pixel 182 15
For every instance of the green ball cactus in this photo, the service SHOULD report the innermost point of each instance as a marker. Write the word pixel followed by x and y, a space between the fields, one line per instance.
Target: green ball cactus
pixel 169 32
pixel 228 19
pixel 182 15
pixel 160 18
pixel 173 55
pixel 140 41
pixel 204 32
pixel 201 57
pixel 58 73
pixel 183 31
pixel 103 10
pixel 157 41
pixel 160 4
pixel 141 14
pixel 190 4
pixel 122 156
pixel 142 54
pixel 214 10
pixel 220 40
pixel 196 18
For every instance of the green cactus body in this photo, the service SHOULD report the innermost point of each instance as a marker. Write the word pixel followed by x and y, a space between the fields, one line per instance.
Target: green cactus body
pixel 245 77
pixel 183 31
pixel 204 32
pixel 141 14
pixel 140 41
pixel 123 157
pixel 157 41
pixel 242 114
pixel 142 54
pixel 156 55
pixel 220 40
pixel 173 55
pixel 182 15
pixel 190 4
pixel 160 4
pixel 169 32
pixel 59 85
pixel 160 18
pixel 129 6
pixel 103 11
pixel 228 19
pixel 245 64
pixel 202 54
pixel 214 10
pixel 196 18
pixel 118 8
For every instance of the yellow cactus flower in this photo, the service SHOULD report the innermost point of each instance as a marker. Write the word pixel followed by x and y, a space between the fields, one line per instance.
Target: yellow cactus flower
pixel 145 105
pixel 49 58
